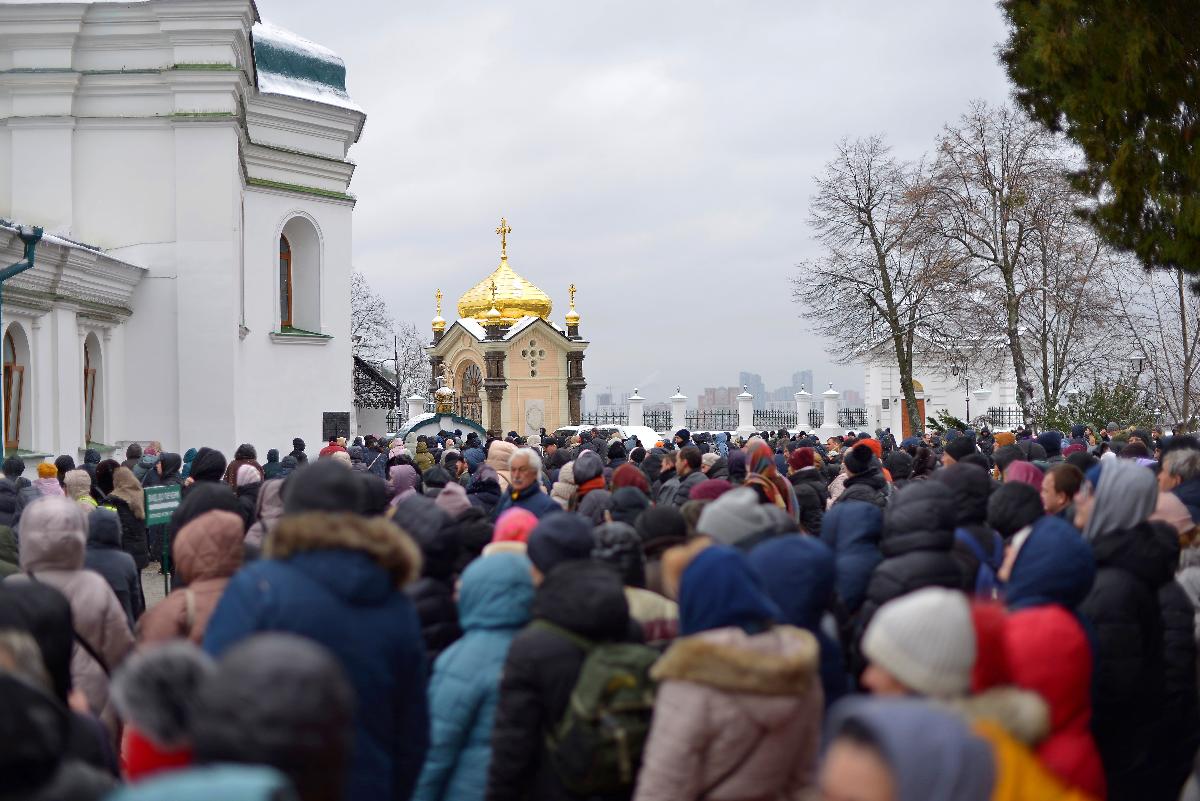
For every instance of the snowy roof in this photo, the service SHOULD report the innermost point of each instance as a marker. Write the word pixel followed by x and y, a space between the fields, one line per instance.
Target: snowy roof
pixel 476 329
pixel 66 242
pixel 292 66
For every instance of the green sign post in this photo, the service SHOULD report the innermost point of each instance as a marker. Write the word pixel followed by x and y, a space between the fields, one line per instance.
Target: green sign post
pixel 161 503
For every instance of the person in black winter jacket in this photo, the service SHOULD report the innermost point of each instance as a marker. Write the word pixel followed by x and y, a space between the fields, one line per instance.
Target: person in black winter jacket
pixel 812 493
pixel 971 487
pixel 106 556
pixel 298 452
pixel 1128 683
pixel 484 490
pixel 1179 733
pixel 433 593
pixel 917 544
pixel 577 594
pixel 866 481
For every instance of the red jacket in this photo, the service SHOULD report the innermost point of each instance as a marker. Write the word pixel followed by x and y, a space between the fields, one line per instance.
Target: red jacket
pixel 1048 653
pixel 332 447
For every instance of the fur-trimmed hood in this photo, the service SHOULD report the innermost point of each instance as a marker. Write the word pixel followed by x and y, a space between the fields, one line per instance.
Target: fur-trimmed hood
pixel 1021 713
pixel 383 541
pixel 781 661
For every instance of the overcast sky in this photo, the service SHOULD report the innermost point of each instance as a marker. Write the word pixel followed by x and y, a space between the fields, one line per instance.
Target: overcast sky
pixel 659 155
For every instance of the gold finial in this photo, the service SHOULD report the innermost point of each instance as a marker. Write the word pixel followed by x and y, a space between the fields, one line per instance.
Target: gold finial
pixel 439 324
pixel 572 315
pixel 504 230
pixel 493 316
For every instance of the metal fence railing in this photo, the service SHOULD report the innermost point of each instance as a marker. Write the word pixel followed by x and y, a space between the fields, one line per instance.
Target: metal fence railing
pixel 1005 416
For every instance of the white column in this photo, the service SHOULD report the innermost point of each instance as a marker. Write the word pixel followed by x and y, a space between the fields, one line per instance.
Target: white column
pixel 830 423
pixel 636 402
pixel 803 406
pixel 416 406
pixel 678 410
pixel 745 414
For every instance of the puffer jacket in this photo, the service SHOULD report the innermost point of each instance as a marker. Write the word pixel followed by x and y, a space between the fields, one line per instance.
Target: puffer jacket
pixel 270 510
pixel 494 603
pixel 484 490
pixel 10 560
pixel 1179 735
pixel 337 580
pixel 422 458
pixel 737 716
pixel 971 486
pixel 433 593
pixel 8 502
pixel 582 596
pixel 683 489
pixel 105 556
pixel 209 551
pixel 853 531
pixel 1132 565
pixel 812 496
pixel 133 531
pixel 918 536
pixel 52 552
pixel 1048 652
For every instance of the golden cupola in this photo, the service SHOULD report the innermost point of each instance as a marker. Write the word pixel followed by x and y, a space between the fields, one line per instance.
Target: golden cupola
pixel 504 291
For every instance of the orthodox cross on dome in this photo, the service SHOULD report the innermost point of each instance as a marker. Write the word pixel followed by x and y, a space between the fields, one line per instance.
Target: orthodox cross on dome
pixel 571 292
pixel 504 230
pixel 493 288
pixel 438 296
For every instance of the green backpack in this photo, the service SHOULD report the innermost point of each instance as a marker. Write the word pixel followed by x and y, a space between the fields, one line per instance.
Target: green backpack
pixel 596 749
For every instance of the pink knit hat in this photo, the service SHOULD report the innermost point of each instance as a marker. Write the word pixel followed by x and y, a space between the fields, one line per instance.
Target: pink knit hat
pixel 514 525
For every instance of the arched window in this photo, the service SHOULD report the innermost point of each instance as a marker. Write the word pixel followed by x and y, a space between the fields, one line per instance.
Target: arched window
pixel 300 276
pixel 93 390
pixel 285 282
pixel 470 405
pixel 18 403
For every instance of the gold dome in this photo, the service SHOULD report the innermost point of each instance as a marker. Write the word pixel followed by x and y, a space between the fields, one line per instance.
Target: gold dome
pixel 572 315
pixel 438 323
pixel 515 298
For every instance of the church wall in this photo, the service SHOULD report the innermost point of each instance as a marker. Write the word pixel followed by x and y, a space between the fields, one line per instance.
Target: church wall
pixel 290 385
pixel 6 161
pixel 124 184
pixel 42 175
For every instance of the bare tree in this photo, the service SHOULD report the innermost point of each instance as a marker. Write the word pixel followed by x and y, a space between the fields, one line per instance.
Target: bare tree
pixel 877 280
pixel 994 180
pixel 1161 317
pixel 370 322
pixel 1065 268
pixel 380 340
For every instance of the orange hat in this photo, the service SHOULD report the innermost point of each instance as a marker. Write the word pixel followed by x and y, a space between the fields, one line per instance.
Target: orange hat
pixel 875 445
pixel 1004 438
pixel 47 470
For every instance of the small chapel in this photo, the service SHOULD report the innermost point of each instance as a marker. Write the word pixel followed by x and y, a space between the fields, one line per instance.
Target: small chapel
pixel 510 366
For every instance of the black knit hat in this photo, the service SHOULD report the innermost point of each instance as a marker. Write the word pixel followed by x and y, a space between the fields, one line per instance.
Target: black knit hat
pixel 858 460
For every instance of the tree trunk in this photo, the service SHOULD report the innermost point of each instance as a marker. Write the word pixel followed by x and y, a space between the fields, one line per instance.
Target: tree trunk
pixel 904 362
pixel 1013 330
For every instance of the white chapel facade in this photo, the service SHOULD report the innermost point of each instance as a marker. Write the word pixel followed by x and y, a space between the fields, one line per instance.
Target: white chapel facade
pixel 189 164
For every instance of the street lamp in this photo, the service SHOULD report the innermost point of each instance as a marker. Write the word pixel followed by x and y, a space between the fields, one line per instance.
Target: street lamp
pixel 967 382
pixel 1138 361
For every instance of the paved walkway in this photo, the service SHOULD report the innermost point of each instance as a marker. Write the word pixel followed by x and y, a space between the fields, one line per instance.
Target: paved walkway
pixel 152 585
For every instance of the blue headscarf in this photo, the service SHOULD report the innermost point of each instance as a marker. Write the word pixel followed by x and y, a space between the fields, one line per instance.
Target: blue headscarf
pixel 718 590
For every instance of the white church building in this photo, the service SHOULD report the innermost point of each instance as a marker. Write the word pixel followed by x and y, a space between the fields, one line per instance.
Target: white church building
pixel 189 166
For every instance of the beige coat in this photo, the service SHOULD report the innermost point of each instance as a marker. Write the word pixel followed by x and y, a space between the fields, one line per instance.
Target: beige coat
pixel 737 717
pixel 53 540
pixel 208 550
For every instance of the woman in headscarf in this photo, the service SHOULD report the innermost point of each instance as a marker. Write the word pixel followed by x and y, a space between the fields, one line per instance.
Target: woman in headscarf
pixel 128 501
pixel 104 476
pixel 739 704
pixel 763 477
pixel 405 480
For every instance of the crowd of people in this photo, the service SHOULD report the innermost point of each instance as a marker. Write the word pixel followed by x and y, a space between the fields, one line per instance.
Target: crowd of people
pixel 952 617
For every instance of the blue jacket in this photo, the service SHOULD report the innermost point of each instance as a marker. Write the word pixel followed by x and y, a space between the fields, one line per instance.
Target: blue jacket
pixel 852 529
pixel 531 499
pixel 798 573
pixel 323 583
pixel 227 782
pixel 495 599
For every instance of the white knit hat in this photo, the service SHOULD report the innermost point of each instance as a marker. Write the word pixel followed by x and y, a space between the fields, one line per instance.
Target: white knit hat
pixel 926 640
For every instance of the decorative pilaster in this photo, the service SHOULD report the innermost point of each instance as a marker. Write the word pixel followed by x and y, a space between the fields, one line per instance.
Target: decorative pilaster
pixel 494 386
pixel 575 386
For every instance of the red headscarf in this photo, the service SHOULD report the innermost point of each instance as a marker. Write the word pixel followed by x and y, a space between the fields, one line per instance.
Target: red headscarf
pixel 762 474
